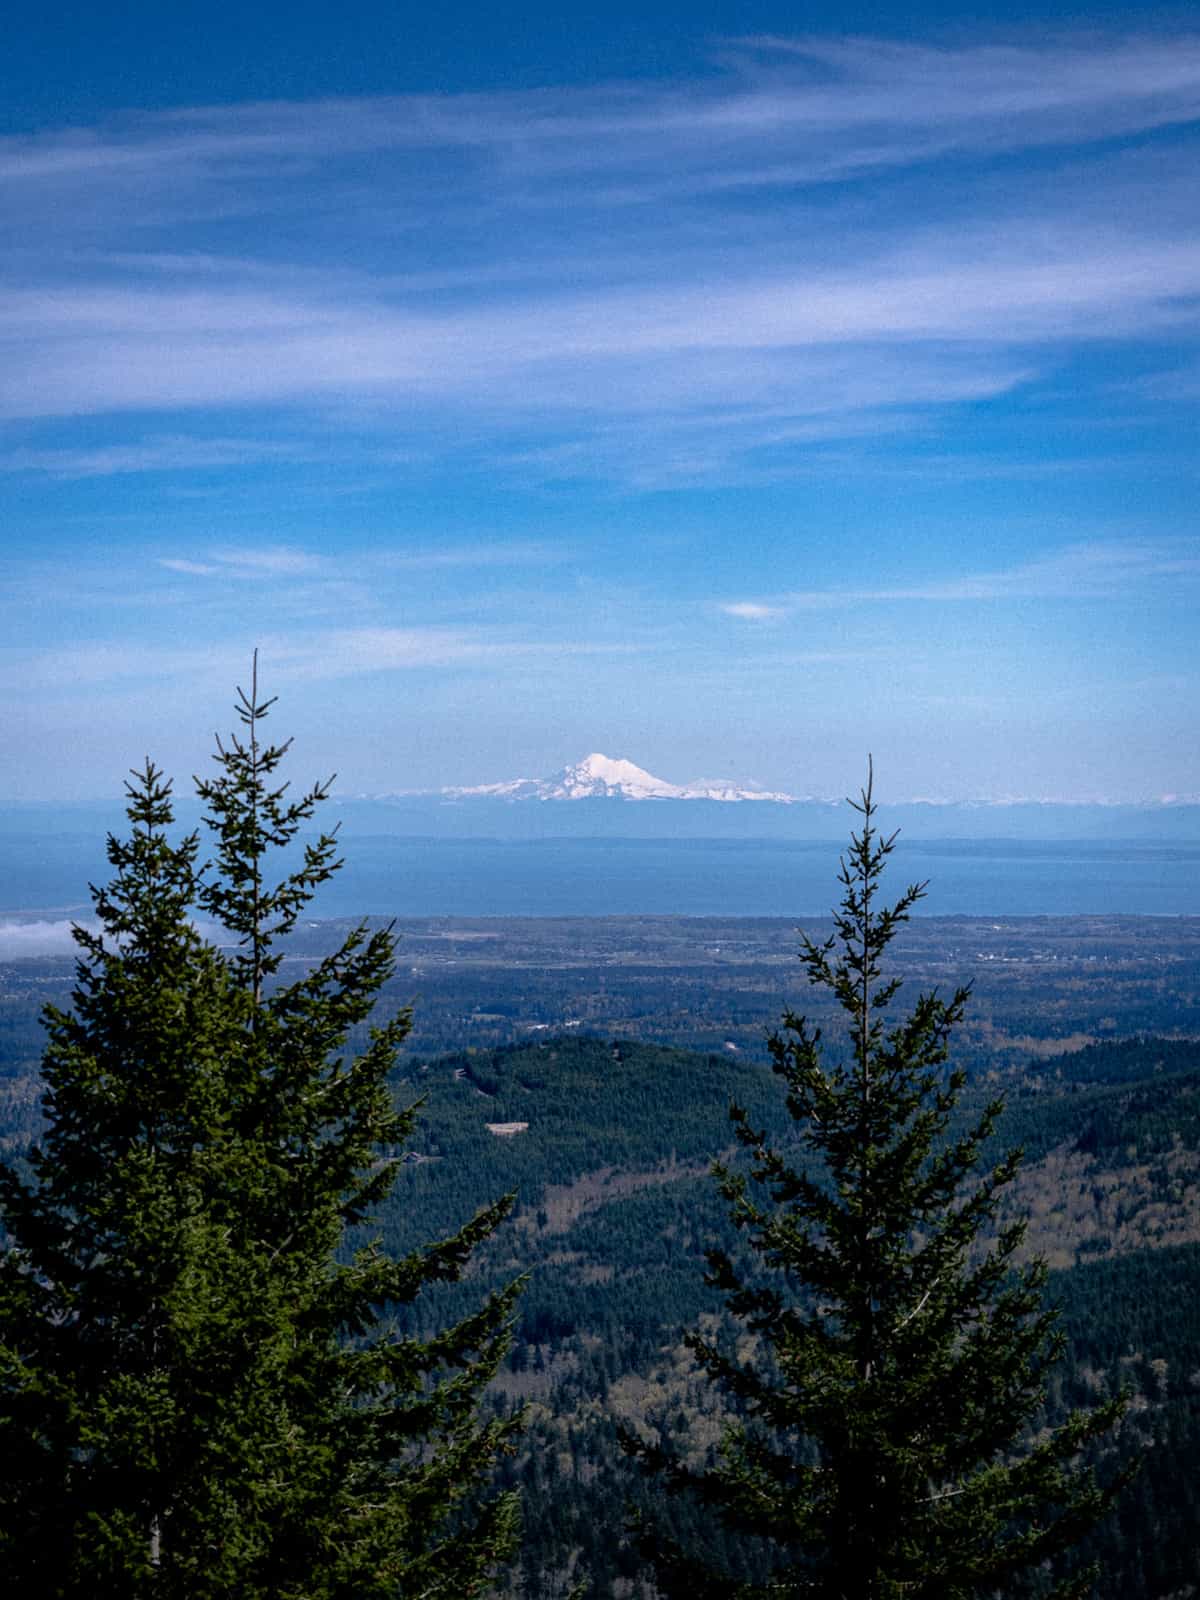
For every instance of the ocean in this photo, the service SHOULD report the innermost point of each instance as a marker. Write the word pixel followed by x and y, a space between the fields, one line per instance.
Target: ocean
pixel 685 877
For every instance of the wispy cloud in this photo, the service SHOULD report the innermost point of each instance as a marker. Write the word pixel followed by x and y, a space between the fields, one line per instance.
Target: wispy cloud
pixel 276 562
pixel 24 937
pixel 753 610
pixel 82 667
pixel 352 652
pixel 377 565
pixel 1082 572
pixel 513 553
pixel 829 102
pixel 296 656
pixel 127 350
pixel 20 940
pixel 431 286
pixel 167 453
pixel 193 569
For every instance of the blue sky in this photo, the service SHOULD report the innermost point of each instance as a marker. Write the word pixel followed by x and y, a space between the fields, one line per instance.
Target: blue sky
pixel 696 384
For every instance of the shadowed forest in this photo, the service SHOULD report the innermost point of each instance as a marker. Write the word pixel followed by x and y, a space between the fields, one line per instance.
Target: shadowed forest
pixel 1083 1025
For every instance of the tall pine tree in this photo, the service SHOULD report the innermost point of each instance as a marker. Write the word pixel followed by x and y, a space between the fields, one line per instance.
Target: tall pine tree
pixel 900 1350
pixel 200 1391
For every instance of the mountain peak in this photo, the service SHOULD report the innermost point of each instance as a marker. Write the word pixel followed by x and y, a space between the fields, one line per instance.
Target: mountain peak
pixel 601 777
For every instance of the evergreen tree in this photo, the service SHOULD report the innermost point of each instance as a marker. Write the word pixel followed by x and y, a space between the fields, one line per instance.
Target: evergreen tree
pixel 201 1394
pixel 886 1445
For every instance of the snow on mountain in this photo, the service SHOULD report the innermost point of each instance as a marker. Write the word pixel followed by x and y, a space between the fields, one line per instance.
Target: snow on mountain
pixel 601 777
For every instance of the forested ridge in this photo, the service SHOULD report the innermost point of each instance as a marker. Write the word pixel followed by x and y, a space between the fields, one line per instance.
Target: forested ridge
pixel 615 1209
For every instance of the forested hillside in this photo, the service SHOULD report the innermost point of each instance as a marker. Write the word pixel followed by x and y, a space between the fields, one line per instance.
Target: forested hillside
pixel 607 1145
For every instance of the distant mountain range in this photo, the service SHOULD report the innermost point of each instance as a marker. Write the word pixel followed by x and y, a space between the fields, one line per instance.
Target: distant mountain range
pixel 48 852
pixel 606 797
pixel 600 777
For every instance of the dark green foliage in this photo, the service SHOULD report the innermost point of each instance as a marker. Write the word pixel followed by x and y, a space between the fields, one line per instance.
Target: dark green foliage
pixel 1136 1319
pixel 201 1393
pixel 899 1359
pixel 627 1129
pixel 1124 1061
pixel 1116 1123
pixel 1121 1104
pixel 590 1105
pixel 613 1286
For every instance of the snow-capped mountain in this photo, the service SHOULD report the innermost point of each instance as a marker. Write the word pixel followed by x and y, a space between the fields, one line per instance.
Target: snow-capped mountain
pixel 600 777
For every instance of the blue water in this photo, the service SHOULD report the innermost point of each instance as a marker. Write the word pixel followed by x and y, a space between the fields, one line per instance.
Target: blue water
pixel 754 878
pixel 690 877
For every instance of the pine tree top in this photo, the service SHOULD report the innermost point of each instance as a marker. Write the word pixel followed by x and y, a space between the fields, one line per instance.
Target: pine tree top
pixel 890 1441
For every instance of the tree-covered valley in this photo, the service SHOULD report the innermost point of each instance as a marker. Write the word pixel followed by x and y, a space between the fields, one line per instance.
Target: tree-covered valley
pixel 606 1138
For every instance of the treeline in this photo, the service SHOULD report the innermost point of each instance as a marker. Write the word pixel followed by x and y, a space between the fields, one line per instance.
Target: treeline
pixel 614 1214
pixel 617 1275
pixel 1136 1319
pixel 615 1211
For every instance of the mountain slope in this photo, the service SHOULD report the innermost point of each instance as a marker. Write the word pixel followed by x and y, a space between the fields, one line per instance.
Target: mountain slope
pixel 601 777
